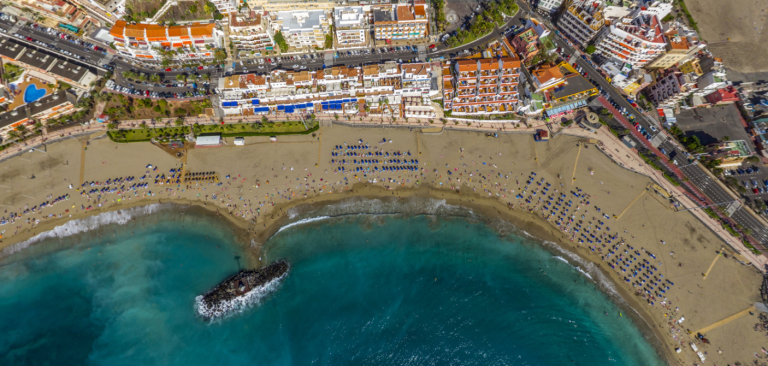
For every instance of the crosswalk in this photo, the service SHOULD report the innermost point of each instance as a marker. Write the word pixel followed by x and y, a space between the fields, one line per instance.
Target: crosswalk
pixel 16 27
pixel 107 59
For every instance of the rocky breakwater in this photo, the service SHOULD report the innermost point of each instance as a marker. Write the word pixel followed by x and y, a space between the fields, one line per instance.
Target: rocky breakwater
pixel 241 291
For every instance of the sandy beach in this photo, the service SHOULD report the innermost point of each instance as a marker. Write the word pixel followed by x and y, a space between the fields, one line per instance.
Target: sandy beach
pixel 260 182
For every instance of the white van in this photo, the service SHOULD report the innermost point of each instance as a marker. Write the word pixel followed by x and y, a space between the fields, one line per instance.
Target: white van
pixel 239 141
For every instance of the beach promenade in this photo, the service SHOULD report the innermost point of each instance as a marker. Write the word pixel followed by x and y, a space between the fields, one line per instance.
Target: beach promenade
pixel 609 144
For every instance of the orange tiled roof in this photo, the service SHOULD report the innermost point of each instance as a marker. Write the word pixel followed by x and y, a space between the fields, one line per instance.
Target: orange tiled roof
pixel 177 31
pixel 117 29
pixel 420 11
pixel 510 63
pixel 404 13
pixel 467 65
pixel 201 29
pixel 547 72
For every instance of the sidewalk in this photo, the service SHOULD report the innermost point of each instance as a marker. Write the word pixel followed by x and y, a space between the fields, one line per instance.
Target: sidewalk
pixel 627 158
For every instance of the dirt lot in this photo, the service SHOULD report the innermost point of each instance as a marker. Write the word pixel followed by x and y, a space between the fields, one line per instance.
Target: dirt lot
pixel 744 22
pixel 185 11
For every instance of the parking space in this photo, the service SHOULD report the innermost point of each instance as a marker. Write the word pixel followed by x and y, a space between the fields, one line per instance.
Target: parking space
pixel 753 178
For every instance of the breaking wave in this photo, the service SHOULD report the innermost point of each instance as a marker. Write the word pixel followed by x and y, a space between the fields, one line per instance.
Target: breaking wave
pixel 303 221
pixel 586 267
pixel 89 223
pixel 238 305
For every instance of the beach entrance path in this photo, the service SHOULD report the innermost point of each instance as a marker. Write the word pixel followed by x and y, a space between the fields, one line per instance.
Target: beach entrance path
pixel 82 161
pixel 630 204
pixel 726 320
pixel 575 164
pixel 719 254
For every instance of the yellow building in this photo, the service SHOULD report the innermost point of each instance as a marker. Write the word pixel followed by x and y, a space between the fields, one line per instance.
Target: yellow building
pixel 691 66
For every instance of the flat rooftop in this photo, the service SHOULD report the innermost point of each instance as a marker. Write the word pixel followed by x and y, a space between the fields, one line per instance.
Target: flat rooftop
pixel 710 125
pixel 37 59
pixel 68 70
pixel 10 48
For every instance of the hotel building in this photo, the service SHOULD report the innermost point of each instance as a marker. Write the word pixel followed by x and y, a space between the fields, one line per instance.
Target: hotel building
pixel 483 86
pixel 400 22
pixel 351 26
pixel 250 33
pixel 302 28
pixel 582 20
pixel 147 42
pixel 635 40
pixel 680 47
pixel 376 90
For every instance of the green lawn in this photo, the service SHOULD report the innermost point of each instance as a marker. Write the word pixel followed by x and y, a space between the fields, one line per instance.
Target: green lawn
pixel 227 130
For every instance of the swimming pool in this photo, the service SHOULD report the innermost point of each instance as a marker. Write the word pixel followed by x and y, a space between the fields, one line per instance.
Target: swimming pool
pixel 32 93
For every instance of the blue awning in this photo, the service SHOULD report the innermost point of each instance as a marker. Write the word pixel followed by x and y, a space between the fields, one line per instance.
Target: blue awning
pixel 289 109
pixel 310 104
pixel 225 104
pixel 325 107
pixel 255 101
pixel 354 99
pixel 281 107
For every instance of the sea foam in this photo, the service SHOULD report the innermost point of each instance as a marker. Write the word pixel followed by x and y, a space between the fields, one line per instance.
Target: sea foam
pixel 89 223
pixel 587 268
pixel 238 305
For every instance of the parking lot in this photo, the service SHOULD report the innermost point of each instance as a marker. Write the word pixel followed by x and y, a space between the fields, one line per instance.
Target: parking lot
pixel 753 178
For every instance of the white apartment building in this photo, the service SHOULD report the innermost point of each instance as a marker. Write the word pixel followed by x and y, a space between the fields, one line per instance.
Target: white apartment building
pixel 416 79
pixel 658 8
pixel 226 6
pixel 549 6
pixel 582 20
pixel 710 82
pixel 351 26
pixel 636 40
pixel 148 42
pixel 338 89
pixel 400 22
pixel 302 28
pixel 108 10
pixel 251 33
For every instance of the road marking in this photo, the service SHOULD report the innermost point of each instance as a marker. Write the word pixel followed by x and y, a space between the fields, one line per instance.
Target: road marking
pixel 726 320
pixel 575 164
pixel 719 254
pixel 630 204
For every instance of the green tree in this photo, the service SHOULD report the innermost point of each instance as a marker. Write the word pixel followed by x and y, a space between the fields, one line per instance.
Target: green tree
pixel 328 41
pixel 591 49
pixel 162 103
pixel 181 77
pixel 280 41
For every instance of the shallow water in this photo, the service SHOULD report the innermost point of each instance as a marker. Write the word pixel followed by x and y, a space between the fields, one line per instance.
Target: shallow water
pixel 362 290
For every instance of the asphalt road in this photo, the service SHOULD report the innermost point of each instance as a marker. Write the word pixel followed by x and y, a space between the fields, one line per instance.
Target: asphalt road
pixel 697 176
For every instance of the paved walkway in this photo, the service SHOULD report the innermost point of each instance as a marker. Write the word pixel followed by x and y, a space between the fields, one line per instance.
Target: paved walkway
pixel 609 144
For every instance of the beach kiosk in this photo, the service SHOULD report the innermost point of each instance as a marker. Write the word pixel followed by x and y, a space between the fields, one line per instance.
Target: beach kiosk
pixel 208 141
pixel 239 141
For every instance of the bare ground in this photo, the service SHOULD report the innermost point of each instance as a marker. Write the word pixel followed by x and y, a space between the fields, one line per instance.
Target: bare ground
pixel 744 22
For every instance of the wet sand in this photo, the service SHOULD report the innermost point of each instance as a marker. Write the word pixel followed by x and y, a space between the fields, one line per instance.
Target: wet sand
pixel 260 173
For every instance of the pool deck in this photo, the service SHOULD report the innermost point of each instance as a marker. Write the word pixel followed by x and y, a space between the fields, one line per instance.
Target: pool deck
pixel 18 99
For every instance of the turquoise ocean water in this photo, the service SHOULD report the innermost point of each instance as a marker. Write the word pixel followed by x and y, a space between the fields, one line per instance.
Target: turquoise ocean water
pixel 363 290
